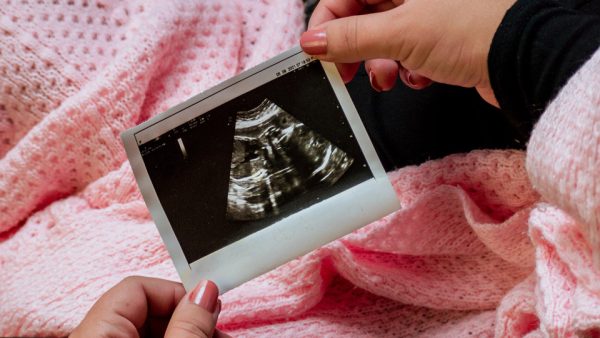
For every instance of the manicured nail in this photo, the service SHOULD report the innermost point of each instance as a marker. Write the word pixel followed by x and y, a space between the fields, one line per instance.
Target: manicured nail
pixel 205 294
pixel 314 42
pixel 373 81
pixel 217 310
pixel 414 81
pixel 419 81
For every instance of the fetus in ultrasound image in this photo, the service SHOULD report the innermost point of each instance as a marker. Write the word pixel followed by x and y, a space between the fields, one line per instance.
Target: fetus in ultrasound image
pixel 275 158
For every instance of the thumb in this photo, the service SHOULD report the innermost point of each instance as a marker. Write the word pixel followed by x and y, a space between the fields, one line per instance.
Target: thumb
pixel 356 38
pixel 197 312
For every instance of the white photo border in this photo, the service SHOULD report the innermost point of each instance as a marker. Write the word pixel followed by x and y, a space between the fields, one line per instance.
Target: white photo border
pixel 285 239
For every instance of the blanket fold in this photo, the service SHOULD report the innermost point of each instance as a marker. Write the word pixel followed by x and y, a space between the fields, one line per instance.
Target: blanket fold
pixel 489 243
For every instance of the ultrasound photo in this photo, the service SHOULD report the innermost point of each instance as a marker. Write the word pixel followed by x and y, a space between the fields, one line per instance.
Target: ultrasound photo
pixel 276 157
pixel 254 160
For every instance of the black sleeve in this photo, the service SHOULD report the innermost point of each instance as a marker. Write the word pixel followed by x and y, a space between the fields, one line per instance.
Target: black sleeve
pixel 539 45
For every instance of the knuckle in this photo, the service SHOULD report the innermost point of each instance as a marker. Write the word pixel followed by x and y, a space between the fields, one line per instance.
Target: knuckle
pixel 399 34
pixel 351 42
pixel 130 280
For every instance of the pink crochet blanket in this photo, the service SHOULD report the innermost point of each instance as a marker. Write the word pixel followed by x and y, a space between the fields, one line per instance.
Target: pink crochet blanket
pixel 489 243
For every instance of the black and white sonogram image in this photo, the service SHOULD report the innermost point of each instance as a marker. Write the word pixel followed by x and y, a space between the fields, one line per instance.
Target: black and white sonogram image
pixel 254 160
pixel 276 157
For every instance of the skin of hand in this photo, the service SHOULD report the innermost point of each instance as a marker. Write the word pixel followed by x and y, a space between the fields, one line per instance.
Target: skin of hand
pixel 447 41
pixel 151 307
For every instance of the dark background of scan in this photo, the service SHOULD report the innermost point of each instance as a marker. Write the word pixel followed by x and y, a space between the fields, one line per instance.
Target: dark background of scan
pixel 193 191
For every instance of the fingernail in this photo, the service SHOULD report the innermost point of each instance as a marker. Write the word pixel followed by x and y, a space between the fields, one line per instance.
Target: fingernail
pixel 217 310
pixel 419 81
pixel 373 81
pixel 205 295
pixel 414 81
pixel 314 42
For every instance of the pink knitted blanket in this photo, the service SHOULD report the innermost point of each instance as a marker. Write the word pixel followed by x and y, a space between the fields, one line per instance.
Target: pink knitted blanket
pixel 489 243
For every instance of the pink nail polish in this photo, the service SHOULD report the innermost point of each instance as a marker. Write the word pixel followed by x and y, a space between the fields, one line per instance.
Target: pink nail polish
pixel 314 42
pixel 414 81
pixel 410 80
pixel 205 295
pixel 217 310
pixel 373 81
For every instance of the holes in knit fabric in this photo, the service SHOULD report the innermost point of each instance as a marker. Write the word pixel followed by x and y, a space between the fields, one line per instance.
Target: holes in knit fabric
pixel 79 37
pixel 74 34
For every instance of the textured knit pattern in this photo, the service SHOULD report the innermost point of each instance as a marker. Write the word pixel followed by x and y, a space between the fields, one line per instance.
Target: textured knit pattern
pixel 477 250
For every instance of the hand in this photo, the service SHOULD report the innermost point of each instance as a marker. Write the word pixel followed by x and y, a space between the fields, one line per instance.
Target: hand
pixel 447 41
pixel 141 306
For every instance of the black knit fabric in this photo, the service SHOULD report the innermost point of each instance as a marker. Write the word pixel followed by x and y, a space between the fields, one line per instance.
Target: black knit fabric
pixel 539 45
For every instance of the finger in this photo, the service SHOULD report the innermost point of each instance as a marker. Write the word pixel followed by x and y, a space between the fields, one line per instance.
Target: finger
pixel 328 10
pixel 126 306
pixel 386 6
pixel 347 70
pixel 310 42
pixel 136 298
pixel 357 38
pixel 196 315
pixel 220 334
pixel 414 80
pixel 382 73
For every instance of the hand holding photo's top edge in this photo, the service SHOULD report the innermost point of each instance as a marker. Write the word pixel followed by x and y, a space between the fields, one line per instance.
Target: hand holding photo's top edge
pixel 259 170
pixel 314 42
